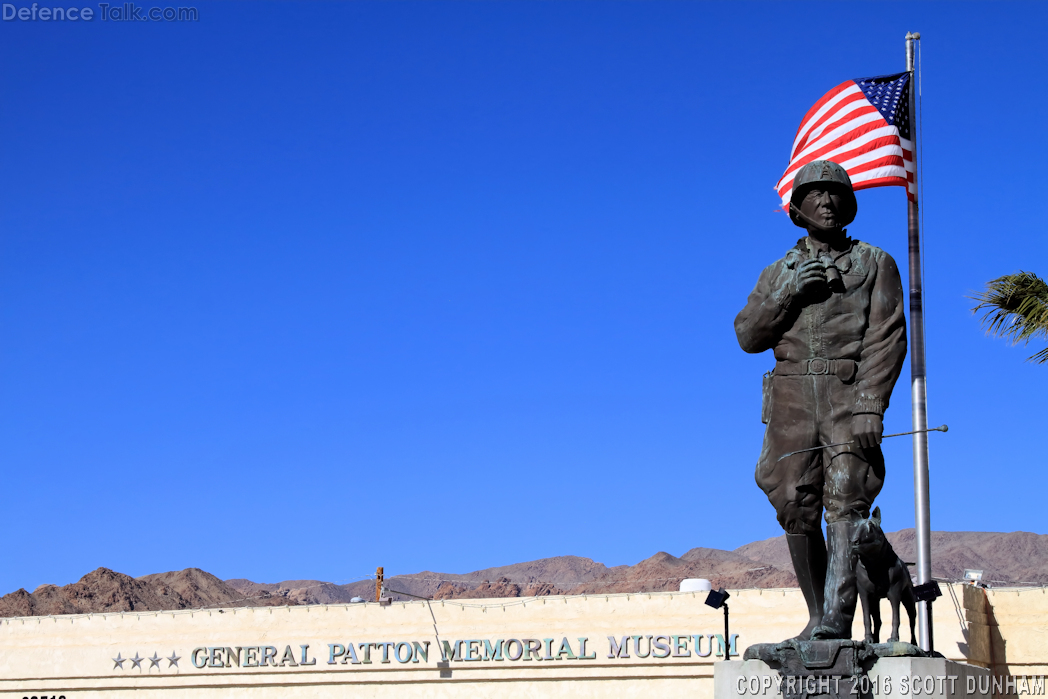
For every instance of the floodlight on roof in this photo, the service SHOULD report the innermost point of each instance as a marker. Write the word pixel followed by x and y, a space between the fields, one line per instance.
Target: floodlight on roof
pixel 718 599
pixel 927 592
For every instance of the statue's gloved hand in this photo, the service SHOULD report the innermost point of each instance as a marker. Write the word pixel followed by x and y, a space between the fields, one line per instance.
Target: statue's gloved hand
pixel 867 429
pixel 809 276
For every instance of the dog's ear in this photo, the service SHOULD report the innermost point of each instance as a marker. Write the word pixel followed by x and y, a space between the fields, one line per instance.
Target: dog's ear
pixel 876 516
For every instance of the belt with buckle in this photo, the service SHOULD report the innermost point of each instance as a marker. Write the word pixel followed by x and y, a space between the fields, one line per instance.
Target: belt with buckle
pixel 843 369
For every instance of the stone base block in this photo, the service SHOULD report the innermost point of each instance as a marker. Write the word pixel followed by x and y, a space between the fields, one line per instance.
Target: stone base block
pixel 887 678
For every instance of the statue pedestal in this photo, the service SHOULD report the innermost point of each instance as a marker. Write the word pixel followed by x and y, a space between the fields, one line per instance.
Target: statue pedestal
pixel 844 669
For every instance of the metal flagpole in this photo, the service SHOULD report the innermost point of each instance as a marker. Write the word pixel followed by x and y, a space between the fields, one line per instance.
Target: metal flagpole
pixel 922 505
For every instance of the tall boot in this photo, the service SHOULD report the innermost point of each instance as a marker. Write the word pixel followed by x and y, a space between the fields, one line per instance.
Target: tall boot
pixel 841 593
pixel 808 552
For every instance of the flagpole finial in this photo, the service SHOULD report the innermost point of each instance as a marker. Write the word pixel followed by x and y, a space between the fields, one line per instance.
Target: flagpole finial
pixel 909 35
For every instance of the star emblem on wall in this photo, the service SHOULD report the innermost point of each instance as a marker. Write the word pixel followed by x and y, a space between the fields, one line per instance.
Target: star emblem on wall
pixel 154 660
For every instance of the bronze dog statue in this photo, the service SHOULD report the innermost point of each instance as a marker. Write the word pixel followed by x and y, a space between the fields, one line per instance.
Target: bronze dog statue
pixel 881 573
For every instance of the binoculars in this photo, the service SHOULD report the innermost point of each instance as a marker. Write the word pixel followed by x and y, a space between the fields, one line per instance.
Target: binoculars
pixel 833 275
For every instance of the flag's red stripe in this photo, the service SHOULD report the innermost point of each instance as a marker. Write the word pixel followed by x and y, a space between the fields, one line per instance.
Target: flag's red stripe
pixel 822 101
pixel 838 113
pixel 850 99
pixel 881 182
pixel 837 143
pixel 848 118
pixel 839 157
pixel 874 164
pixel 839 118
pixel 845 137
pixel 843 140
pixel 855 170
pixel 888 182
pixel 867 148
pixel 888 160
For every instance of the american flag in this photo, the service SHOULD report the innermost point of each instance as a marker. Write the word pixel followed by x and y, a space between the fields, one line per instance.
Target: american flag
pixel 863 125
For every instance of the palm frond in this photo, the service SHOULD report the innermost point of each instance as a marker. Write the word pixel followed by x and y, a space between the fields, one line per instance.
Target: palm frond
pixel 1016 308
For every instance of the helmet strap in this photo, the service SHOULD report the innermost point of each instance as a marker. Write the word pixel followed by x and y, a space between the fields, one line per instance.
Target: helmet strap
pixel 796 211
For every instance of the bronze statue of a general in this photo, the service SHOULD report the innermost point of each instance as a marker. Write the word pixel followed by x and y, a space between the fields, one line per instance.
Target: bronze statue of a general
pixel 831 310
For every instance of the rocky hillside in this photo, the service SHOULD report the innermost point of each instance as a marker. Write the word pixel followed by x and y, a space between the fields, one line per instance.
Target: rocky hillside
pixel 295 591
pixel 104 590
pixel 1017 557
pixel 546 576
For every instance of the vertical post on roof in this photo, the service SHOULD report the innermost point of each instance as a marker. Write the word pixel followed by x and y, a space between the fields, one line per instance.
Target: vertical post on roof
pixel 918 387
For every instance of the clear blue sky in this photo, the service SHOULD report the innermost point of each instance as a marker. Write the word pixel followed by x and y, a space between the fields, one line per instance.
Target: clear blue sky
pixel 297 290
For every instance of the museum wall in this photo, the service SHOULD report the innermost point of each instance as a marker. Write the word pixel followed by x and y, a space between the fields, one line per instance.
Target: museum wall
pixel 665 642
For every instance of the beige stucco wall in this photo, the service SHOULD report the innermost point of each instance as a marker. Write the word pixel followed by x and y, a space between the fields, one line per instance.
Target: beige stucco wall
pixel 72 655
pixel 1008 629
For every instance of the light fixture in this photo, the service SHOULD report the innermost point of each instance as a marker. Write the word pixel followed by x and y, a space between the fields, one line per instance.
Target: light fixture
pixel 719 599
pixel 927 592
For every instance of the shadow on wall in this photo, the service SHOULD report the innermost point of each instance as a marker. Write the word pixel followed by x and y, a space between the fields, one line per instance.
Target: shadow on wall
pixel 986 646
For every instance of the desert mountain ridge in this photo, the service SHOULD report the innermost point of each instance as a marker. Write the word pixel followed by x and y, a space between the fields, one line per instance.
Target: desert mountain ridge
pixel 1016 558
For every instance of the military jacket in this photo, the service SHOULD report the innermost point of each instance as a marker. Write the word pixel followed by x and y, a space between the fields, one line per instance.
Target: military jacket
pixel 863 322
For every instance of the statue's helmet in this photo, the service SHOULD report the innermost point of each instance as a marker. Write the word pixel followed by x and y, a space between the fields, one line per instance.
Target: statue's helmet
pixel 827 174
